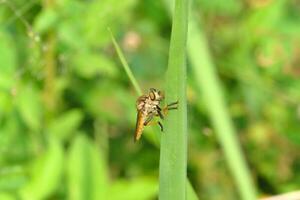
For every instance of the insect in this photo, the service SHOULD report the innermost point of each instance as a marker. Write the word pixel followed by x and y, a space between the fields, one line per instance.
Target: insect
pixel 147 108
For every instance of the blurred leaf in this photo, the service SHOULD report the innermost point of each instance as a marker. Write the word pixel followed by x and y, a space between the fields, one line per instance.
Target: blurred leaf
pixel 106 100
pixel 8 61
pixel 97 15
pixel 109 13
pixel 89 65
pixel 86 171
pixel 69 35
pixel 231 7
pixel 46 173
pixel 65 125
pixel 139 189
pixel 11 136
pixel 11 181
pixel 6 196
pixel 46 20
pixel 30 106
pixel 5 103
pixel 266 17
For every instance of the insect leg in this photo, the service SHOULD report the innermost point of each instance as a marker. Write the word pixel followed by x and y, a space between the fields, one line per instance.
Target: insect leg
pixel 159 112
pixel 154 123
pixel 148 120
pixel 171 106
pixel 158 108
pixel 161 126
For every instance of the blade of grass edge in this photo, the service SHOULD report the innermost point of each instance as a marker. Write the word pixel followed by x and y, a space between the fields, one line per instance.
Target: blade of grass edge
pixel 173 151
pixel 209 84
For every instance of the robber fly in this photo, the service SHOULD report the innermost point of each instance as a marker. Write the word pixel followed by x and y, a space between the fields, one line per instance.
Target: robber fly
pixel 147 108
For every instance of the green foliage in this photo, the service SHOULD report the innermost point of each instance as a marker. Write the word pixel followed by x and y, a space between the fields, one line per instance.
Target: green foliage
pixel 45 173
pixel 209 84
pixel 86 171
pixel 46 21
pixel 67 108
pixel 64 126
pixel 30 107
pixel 98 65
pixel 142 188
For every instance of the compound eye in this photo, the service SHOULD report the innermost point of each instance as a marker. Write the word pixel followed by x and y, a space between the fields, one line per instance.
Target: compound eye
pixel 152 96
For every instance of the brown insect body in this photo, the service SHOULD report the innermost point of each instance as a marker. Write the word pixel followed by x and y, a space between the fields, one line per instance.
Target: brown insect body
pixel 148 106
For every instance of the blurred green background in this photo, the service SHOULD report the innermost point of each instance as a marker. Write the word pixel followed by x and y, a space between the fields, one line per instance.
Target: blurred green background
pixel 67 108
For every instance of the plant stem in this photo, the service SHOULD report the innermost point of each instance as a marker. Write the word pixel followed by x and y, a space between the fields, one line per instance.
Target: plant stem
pixel 50 68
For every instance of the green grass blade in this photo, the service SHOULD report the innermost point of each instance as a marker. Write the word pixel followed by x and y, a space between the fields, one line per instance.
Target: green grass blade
pixel 125 65
pixel 208 82
pixel 173 151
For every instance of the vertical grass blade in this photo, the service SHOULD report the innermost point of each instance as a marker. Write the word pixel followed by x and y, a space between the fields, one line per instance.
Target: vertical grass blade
pixel 173 151
pixel 208 82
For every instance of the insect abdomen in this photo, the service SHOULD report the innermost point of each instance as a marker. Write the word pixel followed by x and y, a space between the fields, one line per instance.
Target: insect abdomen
pixel 139 126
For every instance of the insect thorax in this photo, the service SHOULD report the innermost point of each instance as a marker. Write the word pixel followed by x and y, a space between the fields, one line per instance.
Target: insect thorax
pixel 146 105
